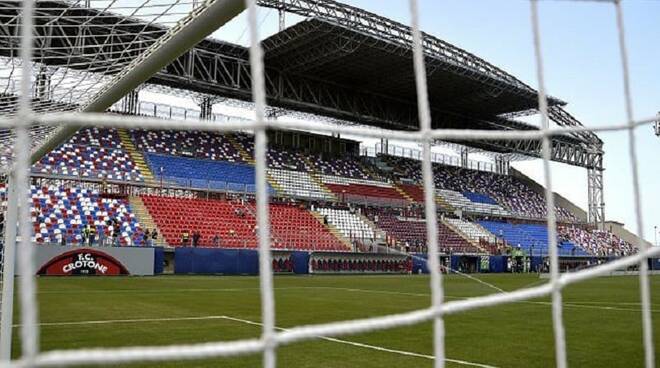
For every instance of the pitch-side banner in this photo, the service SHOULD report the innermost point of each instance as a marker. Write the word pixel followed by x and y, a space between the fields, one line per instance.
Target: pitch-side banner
pixel 83 261
pixel 93 261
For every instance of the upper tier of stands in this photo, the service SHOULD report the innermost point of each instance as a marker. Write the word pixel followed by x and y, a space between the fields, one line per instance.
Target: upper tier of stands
pixel 60 214
pixel 99 137
pixel 201 173
pixel 198 144
pixel 486 187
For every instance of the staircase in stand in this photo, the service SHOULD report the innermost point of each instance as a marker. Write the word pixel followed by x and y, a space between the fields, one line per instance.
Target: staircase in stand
pixel 333 230
pixel 465 237
pixel 315 176
pixel 403 193
pixel 136 156
pixel 144 218
pixel 442 203
pixel 241 151
pixel 250 160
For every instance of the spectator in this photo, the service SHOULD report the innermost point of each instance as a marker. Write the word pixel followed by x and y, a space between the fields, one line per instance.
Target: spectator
pixel 92 235
pixel 195 238
pixel 146 237
pixel 85 234
pixel 154 237
pixel 216 240
pixel 185 238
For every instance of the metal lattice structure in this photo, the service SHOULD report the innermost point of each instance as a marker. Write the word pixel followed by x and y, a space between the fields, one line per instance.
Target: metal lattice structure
pixel 170 46
pixel 304 71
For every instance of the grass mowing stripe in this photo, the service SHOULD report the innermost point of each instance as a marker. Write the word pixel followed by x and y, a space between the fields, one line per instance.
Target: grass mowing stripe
pixel 373 347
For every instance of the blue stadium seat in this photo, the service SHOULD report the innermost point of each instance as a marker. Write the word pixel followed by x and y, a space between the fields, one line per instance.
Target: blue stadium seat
pixel 202 173
pixel 479 198
pixel 530 237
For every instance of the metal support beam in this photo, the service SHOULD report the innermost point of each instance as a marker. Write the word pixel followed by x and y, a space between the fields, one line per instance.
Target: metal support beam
pixel 8 271
pixel 130 103
pixel 188 32
pixel 464 157
pixel 282 19
pixel 206 107
pixel 596 215
pixel 42 86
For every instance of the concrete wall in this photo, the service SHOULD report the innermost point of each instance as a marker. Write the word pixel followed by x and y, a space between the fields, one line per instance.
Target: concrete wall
pixel 617 229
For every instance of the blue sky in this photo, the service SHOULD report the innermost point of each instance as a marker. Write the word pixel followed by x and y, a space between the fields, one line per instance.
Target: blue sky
pixel 582 67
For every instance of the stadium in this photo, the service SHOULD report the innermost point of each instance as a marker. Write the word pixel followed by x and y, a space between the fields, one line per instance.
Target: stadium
pixel 344 191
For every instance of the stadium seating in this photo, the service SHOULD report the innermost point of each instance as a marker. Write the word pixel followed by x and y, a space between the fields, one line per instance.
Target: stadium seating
pixel 288 160
pixel 596 242
pixel 414 191
pixel 230 220
pixel 296 228
pixel 59 212
pixel 481 187
pixel 348 223
pixel 200 173
pixel 100 137
pixel 360 190
pixel 532 238
pixel 472 230
pixel 198 144
pixel 411 232
pixel 90 162
pixel 298 184
pixel 361 264
pixel 458 201
pixel 292 227
pixel 343 167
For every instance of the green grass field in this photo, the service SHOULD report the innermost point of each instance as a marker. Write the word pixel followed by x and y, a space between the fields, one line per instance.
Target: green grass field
pixel 602 319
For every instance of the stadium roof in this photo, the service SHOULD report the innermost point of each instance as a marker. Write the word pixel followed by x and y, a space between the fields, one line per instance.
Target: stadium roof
pixel 341 62
pixel 319 49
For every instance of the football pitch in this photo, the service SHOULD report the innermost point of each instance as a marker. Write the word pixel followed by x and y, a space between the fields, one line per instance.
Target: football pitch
pixel 601 316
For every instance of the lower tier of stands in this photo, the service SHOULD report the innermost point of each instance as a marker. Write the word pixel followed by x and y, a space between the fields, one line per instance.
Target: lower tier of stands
pixel 232 224
pixel 411 234
pixel 350 225
pixel 532 238
pixel 89 162
pixel 81 216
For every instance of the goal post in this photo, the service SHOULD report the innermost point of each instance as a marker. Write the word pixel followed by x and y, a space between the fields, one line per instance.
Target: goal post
pixel 202 21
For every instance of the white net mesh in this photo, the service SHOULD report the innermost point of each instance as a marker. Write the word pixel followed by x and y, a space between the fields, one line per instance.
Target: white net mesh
pixel 82 80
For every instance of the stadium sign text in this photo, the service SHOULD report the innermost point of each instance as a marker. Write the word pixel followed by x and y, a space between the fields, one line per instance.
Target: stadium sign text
pixel 83 261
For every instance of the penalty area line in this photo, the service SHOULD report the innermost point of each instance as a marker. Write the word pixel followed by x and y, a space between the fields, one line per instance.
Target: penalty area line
pixel 372 347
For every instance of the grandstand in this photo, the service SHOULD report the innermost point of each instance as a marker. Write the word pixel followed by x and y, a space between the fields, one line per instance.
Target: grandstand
pixel 150 197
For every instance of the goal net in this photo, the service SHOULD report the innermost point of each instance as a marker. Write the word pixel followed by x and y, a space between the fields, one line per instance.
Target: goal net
pixel 53 80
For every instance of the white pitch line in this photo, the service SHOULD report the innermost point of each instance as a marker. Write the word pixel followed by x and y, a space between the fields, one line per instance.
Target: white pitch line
pixel 245 321
pixel 137 320
pixel 372 347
